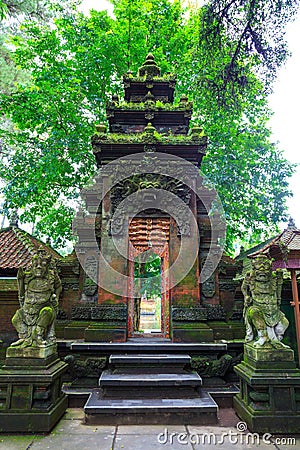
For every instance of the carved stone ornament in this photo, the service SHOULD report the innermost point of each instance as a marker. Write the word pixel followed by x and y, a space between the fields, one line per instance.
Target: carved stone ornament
pixel 99 313
pixel 91 271
pixel 184 314
pixel 139 183
pixel 209 287
pixel 90 367
pixel 208 367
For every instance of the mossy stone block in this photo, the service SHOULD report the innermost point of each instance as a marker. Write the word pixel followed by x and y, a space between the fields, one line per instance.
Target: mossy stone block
pixel 269 400
pixel 98 334
pixel 33 401
pixel 200 333
pixel 222 331
pixel 238 329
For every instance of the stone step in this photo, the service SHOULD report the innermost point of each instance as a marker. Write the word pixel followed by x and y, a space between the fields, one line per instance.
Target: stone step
pixel 149 359
pixel 201 410
pixel 143 346
pixel 118 392
pixel 109 379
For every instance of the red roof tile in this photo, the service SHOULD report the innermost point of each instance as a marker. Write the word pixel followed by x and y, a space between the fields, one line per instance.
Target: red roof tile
pixel 17 248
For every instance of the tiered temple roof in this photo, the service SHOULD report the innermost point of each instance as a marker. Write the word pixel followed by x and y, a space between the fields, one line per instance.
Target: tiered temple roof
pixel 149 120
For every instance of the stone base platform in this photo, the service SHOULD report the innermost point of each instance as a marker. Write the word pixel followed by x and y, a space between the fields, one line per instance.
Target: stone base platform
pixel 39 353
pixel 31 398
pixel 269 398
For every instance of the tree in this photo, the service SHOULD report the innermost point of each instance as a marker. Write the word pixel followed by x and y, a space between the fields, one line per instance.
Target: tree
pixel 147 275
pixel 12 14
pixel 77 63
pixel 256 29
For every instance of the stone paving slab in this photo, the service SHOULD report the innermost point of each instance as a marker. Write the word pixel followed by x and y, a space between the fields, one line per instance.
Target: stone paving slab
pixel 230 446
pixel 74 413
pixel 232 439
pixel 59 441
pixel 149 429
pixel 8 442
pixel 77 426
pixel 71 433
pixel 147 442
pixel 193 429
pixel 286 442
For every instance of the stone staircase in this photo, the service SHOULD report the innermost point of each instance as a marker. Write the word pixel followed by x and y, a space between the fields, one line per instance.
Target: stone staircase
pixel 150 389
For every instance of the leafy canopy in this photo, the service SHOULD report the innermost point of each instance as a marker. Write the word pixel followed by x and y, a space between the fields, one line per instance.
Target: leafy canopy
pixel 225 54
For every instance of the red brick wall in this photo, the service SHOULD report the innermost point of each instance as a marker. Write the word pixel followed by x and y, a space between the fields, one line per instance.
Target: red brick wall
pixel 8 305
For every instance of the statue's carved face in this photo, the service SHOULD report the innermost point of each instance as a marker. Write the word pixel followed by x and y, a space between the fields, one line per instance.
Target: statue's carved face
pixel 262 268
pixel 39 267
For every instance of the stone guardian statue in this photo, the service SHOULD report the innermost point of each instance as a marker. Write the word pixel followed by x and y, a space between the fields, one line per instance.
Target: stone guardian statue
pixel 264 321
pixel 39 290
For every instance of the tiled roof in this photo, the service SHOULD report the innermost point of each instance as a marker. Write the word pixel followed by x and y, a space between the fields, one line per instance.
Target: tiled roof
pixel 17 248
pixel 289 239
pixel 253 250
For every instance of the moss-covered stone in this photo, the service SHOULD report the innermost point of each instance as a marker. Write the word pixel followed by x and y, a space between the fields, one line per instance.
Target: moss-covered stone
pixel 142 138
pixel 200 333
pixel 99 334
pixel 34 401
pixel 269 400
pixel 222 330
pixel 149 68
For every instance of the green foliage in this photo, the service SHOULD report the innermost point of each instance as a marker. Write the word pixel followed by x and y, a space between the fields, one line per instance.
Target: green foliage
pixel 147 274
pixel 256 29
pixel 3 10
pixel 224 54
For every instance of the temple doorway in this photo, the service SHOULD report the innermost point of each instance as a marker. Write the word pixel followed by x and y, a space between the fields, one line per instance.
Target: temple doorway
pixel 147 280
pixel 148 294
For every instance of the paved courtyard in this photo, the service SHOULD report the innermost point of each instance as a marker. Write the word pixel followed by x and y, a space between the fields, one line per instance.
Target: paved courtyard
pixel 71 434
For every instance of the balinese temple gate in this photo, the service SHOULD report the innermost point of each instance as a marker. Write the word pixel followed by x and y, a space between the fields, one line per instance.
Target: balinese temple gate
pixel 153 305
pixel 146 236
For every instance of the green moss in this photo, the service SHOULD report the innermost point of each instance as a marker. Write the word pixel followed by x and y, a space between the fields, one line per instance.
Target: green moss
pixel 184 300
pixel 148 138
pixel 200 326
pixel 170 77
pixel 116 300
pixel 190 281
pixel 193 335
pixel 150 106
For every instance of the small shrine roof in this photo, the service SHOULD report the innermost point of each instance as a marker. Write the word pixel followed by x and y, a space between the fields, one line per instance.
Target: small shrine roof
pixel 288 239
pixel 253 250
pixel 17 248
pixel 284 248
